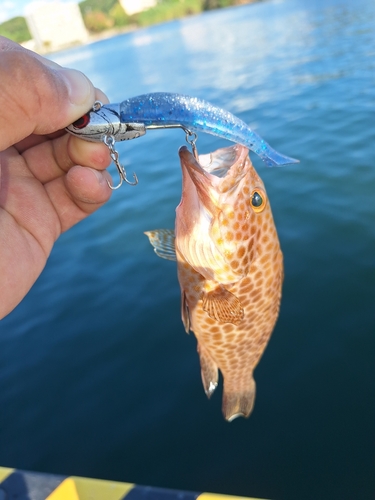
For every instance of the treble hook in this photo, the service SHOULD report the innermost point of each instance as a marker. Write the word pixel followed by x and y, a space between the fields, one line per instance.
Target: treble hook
pixel 109 141
pixel 122 174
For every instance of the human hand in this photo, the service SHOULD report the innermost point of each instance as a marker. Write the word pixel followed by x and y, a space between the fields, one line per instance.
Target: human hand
pixel 49 180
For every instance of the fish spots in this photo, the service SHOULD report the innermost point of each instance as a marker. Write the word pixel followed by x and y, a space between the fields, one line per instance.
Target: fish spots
pixel 267 271
pixel 269 282
pixel 269 246
pixel 228 328
pixel 247 288
pixel 216 330
pixel 246 262
pixel 241 252
pixel 227 185
pixel 245 302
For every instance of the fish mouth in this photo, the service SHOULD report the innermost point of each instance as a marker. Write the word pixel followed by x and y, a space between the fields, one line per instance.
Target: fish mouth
pixel 222 160
pixel 219 163
pixel 219 171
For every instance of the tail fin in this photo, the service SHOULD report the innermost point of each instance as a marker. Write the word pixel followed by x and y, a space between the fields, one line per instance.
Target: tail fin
pixel 238 403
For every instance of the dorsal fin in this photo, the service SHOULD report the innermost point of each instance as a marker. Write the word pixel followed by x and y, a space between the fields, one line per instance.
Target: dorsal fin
pixel 163 242
pixel 222 305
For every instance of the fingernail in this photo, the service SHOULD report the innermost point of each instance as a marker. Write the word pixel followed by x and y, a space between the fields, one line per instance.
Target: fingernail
pixel 102 176
pixel 80 89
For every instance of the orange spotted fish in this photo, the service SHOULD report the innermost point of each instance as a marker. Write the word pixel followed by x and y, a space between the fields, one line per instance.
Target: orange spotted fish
pixel 230 269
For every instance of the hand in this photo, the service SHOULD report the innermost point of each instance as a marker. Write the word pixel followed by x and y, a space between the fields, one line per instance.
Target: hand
pixel 49 180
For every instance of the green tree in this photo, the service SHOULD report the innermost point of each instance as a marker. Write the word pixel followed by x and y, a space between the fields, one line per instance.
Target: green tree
pixel 168 10
pixel 97 21
pixel 119 16
pixel 15 29
pixel 96 5
pixel 217 4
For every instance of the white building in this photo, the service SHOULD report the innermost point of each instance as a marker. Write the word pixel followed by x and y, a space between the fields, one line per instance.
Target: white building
pixel 133 6
pixel 55 25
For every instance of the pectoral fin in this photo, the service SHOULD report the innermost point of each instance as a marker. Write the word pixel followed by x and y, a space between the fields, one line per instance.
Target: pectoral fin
pixel 163 242
pixel 222 305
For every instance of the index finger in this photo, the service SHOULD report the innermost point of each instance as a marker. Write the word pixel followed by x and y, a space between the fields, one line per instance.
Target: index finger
pixel 37 97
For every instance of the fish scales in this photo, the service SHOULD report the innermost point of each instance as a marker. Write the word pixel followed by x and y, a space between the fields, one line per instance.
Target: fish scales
pixel 230 269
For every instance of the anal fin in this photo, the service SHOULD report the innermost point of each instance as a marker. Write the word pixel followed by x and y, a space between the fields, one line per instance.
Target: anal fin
pixel 185 315
pixel 209 372
pixel 222 305
pixel 238 403
pixel 163 241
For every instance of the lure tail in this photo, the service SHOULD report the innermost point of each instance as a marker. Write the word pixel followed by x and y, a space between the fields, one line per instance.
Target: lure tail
pixel 273 158
pixel 166 110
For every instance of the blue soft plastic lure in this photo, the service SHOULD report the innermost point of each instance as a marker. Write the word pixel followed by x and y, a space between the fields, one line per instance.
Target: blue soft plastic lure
pixel 132 117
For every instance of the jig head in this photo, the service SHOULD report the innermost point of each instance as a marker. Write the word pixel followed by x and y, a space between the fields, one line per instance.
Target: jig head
pixel 103 124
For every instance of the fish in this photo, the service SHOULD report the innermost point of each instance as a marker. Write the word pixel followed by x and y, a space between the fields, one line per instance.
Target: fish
pixel 229 267
pixel 132 117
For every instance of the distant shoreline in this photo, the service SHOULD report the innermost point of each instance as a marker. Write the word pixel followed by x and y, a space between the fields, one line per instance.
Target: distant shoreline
pixel 112 32
pixel 92 38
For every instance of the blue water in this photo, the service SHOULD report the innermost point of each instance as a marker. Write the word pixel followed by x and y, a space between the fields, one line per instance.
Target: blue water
pixel 98 378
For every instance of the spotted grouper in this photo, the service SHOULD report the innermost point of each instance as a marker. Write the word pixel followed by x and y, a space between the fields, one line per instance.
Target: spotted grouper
pixel 230 269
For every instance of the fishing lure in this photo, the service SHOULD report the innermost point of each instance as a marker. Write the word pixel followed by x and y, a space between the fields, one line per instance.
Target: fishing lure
pixel 131 118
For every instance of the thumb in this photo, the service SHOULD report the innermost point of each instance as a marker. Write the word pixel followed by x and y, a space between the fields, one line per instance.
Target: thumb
pixel 37 96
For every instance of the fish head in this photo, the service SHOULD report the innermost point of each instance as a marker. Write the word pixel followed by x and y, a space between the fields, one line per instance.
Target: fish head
pixel 222 213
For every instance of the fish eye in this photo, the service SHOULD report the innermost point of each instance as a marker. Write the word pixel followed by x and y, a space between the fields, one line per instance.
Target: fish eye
pixel 258 200
pixel 82 122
